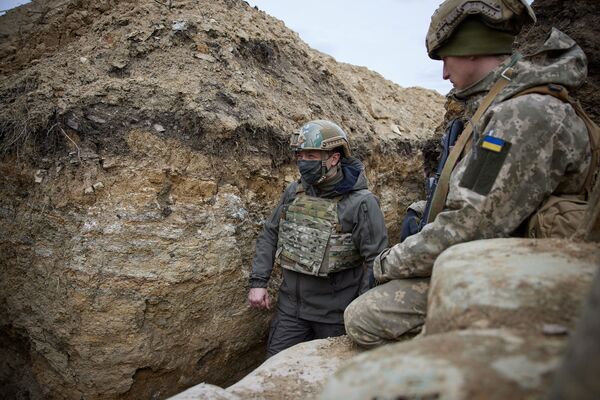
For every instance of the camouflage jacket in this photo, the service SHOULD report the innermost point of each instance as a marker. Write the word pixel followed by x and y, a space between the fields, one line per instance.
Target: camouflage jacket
pixel 545 149
pixel 323 299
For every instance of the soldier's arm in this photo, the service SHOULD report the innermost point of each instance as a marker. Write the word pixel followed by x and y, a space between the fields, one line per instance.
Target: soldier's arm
pixel 266 244
pixel 491 195
pixel 369 233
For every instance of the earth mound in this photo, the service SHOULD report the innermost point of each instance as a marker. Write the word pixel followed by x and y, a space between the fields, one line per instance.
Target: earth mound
pixel 142 147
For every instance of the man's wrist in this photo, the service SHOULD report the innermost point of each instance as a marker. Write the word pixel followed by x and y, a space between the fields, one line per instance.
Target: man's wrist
pixel 255 283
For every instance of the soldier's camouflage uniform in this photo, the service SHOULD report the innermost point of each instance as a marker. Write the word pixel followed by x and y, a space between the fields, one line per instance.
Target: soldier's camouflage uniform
pixel 546 151
pixel 312 307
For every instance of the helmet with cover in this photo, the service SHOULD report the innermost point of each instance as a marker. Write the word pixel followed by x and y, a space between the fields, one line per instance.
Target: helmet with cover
pixel 320 135
pixel 499 20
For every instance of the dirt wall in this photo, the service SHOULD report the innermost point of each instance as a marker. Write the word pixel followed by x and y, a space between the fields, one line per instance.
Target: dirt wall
pixel 142 149
pixel 579 19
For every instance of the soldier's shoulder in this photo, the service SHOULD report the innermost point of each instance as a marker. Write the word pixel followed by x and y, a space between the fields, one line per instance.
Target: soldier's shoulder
pixel 360 196
pixel 544 108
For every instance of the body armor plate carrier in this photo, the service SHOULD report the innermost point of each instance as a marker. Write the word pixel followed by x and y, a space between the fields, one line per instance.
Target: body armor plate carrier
pixel 310 238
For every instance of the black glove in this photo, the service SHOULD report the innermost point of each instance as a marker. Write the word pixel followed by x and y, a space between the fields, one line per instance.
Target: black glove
pixel 410 225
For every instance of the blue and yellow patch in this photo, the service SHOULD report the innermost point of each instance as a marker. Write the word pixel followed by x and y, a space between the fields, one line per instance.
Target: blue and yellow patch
pixel 485 165
pixel 492 143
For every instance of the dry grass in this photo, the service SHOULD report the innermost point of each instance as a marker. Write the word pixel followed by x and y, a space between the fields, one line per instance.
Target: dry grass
pixel 22 117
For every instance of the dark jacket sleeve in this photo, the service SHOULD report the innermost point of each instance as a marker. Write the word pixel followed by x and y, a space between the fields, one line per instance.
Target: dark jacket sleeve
pixel 266 244
pixel 369 233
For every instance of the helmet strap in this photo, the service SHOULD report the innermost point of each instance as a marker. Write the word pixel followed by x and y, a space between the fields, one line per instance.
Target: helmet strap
pixel 326 172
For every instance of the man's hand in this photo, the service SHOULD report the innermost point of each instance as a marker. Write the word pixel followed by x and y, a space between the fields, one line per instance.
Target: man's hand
pixel 259 298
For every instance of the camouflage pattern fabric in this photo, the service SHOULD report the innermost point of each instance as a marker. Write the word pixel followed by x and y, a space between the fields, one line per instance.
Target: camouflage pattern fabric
pixel 308 242
pixel 319 299
pixel 545 151
pixel 388 312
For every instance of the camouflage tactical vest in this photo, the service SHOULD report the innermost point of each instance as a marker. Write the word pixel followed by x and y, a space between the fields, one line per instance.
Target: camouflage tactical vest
pixel 310 238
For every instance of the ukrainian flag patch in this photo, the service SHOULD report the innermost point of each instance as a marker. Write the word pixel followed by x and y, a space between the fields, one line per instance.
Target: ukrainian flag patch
pixel 492 143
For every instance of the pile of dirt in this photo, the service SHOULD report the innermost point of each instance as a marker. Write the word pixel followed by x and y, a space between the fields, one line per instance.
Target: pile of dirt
pixel 142 148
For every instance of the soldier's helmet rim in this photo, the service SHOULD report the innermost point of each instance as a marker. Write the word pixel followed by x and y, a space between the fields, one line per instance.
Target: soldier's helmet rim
pixel 322 135
pixel 503 15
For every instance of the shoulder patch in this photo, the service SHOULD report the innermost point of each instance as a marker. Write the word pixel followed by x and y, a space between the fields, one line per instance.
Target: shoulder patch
pixel 492 143
pixel 485 164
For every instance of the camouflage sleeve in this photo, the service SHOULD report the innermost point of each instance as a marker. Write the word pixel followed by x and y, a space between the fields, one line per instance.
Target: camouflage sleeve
pixel 369 233
pixel 544 142
pixel 266 244
pixel 418 207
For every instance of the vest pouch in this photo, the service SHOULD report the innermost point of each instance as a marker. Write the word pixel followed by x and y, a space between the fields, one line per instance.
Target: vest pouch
pixel 302 248
pixel 341 254
pixel 309 240
pixel 558 217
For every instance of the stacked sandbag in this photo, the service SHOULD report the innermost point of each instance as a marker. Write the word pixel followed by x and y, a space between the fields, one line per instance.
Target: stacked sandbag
pixel 499 312
pixel 295 373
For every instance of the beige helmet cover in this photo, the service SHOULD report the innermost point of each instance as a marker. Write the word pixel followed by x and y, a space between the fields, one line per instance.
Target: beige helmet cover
pixel 503 15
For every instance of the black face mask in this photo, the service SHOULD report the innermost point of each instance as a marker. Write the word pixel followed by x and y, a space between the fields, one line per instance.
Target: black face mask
pixel 311 170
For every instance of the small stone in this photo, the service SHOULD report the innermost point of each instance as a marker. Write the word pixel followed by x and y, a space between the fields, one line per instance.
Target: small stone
pixel 72 123
pixel 395 129
pixel 88 190
pixel 377 110
pixel 289 178
pixel 179 26
pixel 242 34
pixel 205 57
pixel 108 163
pixel 159 128
pixel 482 324
pixel 83 60
pixel 98 186
pixel 39 175
pixel 95 119
pixel 119 64
pixel 554 330
pixel 249 87
pixel 201 47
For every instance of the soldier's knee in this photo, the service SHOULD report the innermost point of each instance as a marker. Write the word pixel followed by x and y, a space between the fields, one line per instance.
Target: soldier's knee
pixel 358 327
pixel 350 318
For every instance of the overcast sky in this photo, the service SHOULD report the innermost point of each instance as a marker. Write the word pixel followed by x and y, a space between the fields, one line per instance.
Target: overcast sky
pixel 387 36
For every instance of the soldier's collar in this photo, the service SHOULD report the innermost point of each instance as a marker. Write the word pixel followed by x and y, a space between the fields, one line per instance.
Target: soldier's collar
pixel 484 85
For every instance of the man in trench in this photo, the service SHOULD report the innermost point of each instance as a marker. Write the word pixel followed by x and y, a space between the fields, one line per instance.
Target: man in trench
pixel 325 233
pixel 518 151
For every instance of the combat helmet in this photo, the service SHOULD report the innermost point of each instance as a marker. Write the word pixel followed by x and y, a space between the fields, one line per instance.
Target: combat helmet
pixel 320 135
pixel 502 15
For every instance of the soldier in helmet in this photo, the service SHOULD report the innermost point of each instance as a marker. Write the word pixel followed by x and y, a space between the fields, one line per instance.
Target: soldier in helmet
pixel 325 233
pixel 526 157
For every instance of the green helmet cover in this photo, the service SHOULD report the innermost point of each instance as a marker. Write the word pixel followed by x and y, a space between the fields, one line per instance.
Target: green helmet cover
pixel 320 135
pixel 507 16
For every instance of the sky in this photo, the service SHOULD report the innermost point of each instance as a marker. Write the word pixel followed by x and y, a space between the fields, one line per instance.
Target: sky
pixel 386 36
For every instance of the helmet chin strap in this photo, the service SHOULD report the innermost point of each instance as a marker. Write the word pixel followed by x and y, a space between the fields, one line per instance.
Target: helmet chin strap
pixel 326 173
pixel 324 169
